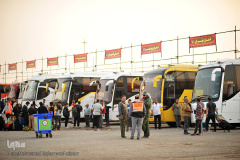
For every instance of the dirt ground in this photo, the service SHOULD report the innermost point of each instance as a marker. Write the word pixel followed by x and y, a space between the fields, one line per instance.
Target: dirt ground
pixel 165 143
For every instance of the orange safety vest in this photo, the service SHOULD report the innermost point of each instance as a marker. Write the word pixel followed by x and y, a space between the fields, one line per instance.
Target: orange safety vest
pixel 8 109
pixel 137 107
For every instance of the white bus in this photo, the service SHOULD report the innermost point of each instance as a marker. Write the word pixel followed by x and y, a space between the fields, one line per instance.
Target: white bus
pixel 36 89
pixel 113 86
pixel 76 86
pixel 221 81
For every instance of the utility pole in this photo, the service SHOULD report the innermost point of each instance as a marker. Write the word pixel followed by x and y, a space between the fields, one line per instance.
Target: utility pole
pixel 84 42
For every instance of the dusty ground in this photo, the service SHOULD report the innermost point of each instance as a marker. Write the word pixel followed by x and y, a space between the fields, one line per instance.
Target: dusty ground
pixel 166 143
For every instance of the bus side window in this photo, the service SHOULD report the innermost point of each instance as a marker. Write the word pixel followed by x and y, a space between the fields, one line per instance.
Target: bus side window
pixel 231 82
pixel 171 91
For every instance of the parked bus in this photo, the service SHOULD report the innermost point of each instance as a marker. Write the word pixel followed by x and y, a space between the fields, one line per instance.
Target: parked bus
pixel 14 91
pixel 221 81
pixel 168 83
pixel 3 91
pixel 36 89
pixel 77 86
pixel 111 88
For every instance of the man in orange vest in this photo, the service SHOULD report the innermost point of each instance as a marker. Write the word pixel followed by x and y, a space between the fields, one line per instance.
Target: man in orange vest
pixel 137 111
pixel 8 109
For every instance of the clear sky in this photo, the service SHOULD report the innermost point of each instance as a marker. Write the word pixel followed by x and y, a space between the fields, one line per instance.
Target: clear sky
pixel 32 29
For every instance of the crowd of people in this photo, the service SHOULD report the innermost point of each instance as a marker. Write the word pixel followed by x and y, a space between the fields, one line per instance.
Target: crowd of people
pixel 131 114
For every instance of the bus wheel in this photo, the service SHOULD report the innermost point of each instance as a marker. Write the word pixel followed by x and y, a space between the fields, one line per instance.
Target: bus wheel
pixel 172 124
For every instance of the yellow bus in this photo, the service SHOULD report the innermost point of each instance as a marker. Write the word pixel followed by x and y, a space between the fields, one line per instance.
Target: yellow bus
pixel 168 83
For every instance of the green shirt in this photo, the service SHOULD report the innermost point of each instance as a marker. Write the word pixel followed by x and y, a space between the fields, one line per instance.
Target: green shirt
pixel 176 109
pixel 148 105
pixel 122 109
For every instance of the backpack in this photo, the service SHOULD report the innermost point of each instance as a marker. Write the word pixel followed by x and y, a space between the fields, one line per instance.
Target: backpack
pixel 75 110
pixel 65 112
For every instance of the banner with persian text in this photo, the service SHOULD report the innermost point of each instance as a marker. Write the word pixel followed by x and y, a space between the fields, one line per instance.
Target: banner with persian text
pixel 200 41
pixel 31 64
pixel 151 48
pixel 110 54
pixel 12 66
pixel 80 58
pixel 52 61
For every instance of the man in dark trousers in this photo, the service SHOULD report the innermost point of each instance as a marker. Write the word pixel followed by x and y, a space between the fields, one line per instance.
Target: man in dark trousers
pixel 148 105
pixel 25 113
pixel 123 112
pixel 31 111
pixel 210 113
pixel 77 109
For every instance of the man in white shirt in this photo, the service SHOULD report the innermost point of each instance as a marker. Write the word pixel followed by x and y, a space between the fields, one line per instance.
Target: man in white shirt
pixel 157 113
pixel 97 108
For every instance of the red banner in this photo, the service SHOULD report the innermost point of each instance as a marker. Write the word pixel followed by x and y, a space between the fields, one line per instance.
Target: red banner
pixel 31 64
pixel 80 58
pixel 200 41
pixel 110 54
pixel 52 61
pixel 151 48
pixel 12 66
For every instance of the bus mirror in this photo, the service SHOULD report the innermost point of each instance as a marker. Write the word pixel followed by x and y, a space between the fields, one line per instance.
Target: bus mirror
pixel 155 80
pixel 213 76
pixel 63 87
pixel 47 87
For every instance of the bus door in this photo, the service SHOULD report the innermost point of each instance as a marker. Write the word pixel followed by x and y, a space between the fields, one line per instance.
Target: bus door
pixel 170 95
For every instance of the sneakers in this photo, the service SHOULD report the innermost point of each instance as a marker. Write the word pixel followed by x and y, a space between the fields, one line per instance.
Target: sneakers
pixel 66 127
pixel 131 138
pixel 98 129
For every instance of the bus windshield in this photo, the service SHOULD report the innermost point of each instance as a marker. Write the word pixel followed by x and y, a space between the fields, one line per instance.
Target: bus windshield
pixel 22 89
pixel 103 94
pixel 59 95
pixel 147 86
pixel 205 86
pixel 30 91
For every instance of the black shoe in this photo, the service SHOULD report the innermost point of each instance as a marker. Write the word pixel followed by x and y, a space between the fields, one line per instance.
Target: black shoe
pixel 131 138
pixel 144 137
pixel 137 138
pixel 124 137
pixel 186 133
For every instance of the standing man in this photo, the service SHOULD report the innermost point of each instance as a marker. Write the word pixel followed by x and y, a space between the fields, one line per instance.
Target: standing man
pixel 97 108
pixel 51 110
pixel 87 114
pixel 8 109
pixel 101 113
pixel 106 112
pixel 203 106
pixel 77 109
pixel 198 116
pixel 137 111
pixel 66 114
pixel 57 118
pixel 210 112
pixel 186 115
pixel 129 119
pixel 45 104
pixel 123 112
pixel 157 113
pixel 148 105
pixel 25 113
pixel 31 111
pixel 72 105
pixel 42 109
pixel 176 107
